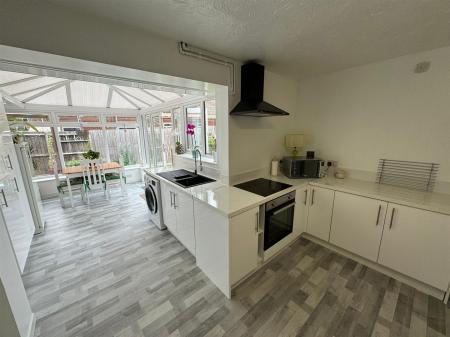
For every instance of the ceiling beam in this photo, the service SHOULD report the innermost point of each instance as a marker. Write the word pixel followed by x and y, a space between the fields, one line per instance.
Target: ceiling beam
pixel 69 93
pixel 126 98
pixel 151 95
pixel 11 99
pixel 44 92
pixel 108 101
pixel 132 96
pixel 19 81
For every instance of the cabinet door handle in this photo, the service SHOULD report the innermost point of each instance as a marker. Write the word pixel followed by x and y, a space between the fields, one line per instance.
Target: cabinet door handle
pixel 174 201
pixel 17 186
pixel 306 196
pixel 171 201
pixel 9 161
pixel 4 198
pixel 378 216
pixel 392 217
pixel 312 197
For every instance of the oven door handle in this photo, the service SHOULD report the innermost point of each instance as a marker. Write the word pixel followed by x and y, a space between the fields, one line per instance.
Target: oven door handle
pixel 292 204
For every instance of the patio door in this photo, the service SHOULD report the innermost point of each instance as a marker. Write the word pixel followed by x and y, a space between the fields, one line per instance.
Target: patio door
pixel 155 140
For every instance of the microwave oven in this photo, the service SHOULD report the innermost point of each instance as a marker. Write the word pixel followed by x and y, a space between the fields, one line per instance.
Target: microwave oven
pixel 302 167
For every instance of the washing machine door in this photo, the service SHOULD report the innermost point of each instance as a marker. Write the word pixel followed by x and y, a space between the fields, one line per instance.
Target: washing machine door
pixel 150 198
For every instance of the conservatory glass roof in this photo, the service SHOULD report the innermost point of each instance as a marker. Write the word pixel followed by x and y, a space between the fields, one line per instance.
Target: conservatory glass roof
pixel 34 89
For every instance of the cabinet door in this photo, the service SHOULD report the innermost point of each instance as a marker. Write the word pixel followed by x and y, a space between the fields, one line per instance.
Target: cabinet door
pixel 320 211
pixel 243 244
pixel 301 211
pixel 357 224
pixel 169 212
pixel 416 243
pixel 184 206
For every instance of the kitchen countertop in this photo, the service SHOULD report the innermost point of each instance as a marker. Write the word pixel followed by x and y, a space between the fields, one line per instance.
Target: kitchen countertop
pixel 231 201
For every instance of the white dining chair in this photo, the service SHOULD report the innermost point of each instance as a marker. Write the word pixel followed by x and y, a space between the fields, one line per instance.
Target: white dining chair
pixel 94 178
pixel 76 185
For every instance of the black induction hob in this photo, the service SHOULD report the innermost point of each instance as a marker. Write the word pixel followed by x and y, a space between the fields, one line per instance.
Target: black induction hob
pixel 263 187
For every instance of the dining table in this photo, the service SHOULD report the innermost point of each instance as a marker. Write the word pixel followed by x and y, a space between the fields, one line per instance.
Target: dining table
pixel 77 172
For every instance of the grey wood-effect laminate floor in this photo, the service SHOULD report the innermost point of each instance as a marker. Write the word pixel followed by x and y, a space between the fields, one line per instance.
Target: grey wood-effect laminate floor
pixel 104 270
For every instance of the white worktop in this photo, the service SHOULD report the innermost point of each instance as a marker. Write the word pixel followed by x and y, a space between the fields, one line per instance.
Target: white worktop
pixel 231 201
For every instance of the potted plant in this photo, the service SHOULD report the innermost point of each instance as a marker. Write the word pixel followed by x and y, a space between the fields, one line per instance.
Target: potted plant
pixel 179 148
pixel 212 143
pixel 91 155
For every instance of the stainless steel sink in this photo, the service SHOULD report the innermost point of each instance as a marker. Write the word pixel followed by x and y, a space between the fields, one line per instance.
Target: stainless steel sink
pixel 185 178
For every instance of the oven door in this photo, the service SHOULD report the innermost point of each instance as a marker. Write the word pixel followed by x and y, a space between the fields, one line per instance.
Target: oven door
pixel 278 223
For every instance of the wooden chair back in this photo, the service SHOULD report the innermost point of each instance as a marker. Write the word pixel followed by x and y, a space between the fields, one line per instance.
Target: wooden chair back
pixel 93 175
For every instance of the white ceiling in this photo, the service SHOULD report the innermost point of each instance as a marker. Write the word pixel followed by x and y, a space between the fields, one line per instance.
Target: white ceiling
pixel 300 37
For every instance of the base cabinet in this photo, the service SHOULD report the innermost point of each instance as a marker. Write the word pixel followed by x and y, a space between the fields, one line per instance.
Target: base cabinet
pixel 178 214
pixel 320 211
pixel 357 224
pixel 301 211
pixel 416 243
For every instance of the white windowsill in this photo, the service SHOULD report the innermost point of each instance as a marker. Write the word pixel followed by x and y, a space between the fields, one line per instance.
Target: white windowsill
pixel 205 159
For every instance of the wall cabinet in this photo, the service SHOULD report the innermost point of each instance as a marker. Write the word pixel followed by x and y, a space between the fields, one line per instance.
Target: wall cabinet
pixel 416 243
pixel 357 224
pixel 320 211
pixel 301 211
pixel 178 213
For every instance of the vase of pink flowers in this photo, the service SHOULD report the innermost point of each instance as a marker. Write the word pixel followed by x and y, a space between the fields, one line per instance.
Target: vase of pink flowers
pixel 190 131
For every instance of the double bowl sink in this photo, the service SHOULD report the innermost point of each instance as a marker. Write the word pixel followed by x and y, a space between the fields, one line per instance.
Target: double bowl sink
pixel 185 178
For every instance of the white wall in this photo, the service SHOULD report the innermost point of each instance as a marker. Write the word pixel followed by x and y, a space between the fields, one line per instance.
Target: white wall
pixel 255 141
pixel 381 110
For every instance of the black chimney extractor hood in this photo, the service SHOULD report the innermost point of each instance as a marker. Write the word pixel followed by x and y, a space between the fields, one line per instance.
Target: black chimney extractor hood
pixel 252 89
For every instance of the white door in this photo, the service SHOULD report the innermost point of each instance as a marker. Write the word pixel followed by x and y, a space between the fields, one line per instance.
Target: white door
pixel 243 244
pixel 416 243
pixel 301 211
pixel 184 205
pixel 357 224
pixel 169 212
pixel 320 211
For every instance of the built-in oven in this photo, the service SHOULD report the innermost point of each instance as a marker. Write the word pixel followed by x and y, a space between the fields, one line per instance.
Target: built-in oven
pixel 278 219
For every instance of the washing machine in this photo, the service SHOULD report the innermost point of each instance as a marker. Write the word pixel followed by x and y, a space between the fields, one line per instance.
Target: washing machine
pixel 153 199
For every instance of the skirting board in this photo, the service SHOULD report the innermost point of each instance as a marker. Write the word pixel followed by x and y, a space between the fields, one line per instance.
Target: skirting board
pixel 439 294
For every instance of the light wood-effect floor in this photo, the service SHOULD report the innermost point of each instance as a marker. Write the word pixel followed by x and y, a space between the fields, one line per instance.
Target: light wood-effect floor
pixel 104 270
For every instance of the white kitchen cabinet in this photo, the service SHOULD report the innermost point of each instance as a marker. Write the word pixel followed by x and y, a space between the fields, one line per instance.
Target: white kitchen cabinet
pixel 416 243
pixel 169 212
pixel 244 231
pixel 227 248
pixel 184 206
pixel 320 212
pixel 178 214
pixel 357 224
pixel 301 211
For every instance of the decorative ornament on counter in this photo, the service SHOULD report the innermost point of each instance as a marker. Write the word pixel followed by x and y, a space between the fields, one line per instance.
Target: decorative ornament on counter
pixel 340 174
pixel 179 148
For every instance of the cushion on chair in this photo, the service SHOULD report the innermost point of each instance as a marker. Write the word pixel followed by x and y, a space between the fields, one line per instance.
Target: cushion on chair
pixel 114 176
pixel 73 182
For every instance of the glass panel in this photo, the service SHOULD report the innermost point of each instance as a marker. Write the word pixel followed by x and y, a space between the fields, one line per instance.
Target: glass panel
pixel 75 141
pixel 28 118
pixel 165 95
pixel 126 119
pixel 210 117
pixel 89 94
pixel 119 102
pixel 32 84
pixel 68 119
pixel 55 97
pixel 89 119
pixel 43 150
pixel 110 119
pixel 8 76
pixel 123 145
pixel 155 130
pixel 194 116
pixel 177 127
